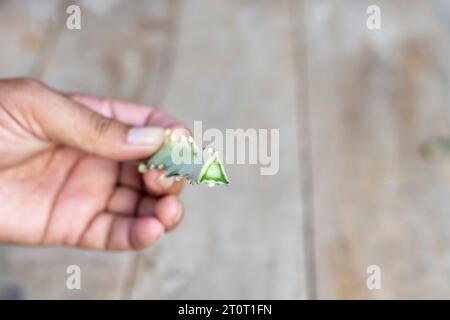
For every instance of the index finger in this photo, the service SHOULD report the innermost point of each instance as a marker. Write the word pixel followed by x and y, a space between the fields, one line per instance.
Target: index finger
pixel 127 112
pixel 139 115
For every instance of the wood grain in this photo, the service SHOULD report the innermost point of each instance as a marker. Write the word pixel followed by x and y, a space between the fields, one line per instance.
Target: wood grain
pixel 24 30
pixel 117 53
pixel 352 105
pixel 24 33
pixel 234 69
pixel 373 98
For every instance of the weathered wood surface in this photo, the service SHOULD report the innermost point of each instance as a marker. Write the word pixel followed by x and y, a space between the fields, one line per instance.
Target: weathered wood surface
pixel 117 53
pixel 251 247
pixel 244 241
pixel 23 35
pixel 352 106
pixel 373 98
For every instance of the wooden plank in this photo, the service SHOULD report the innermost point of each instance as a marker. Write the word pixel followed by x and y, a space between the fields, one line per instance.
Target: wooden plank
pixel 373 98
pixel 116 54
pixel 24 29
pixel 234 69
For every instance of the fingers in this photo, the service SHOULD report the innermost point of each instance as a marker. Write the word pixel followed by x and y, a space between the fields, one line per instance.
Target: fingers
pixel 126 112
pixel 124 201
pixel 130 176
pixel 158 118
pixel 138 115
pixel 60 120
pixel 121 230
pixel 128 202
pixel 112 129
pixel 115 232
pixel 169 211
pixel 158 186
pixel 146 206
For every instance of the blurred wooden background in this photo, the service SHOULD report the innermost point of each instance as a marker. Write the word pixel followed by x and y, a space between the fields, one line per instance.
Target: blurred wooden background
pixel 352 106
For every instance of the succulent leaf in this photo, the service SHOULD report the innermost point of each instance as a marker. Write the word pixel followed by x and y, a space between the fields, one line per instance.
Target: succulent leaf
pixel 183 159
pixel 436 149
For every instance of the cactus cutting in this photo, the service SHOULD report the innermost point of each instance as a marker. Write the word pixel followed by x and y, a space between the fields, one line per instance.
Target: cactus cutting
pixel 437 148
pixel 182 158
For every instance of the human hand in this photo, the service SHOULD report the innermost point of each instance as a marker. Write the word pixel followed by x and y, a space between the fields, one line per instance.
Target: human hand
pixel 67 175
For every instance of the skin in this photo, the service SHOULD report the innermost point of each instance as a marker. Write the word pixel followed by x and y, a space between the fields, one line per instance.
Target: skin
pixel 68 176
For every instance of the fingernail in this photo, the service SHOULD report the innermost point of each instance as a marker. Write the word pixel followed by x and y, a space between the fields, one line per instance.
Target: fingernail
pixel 146 136
pixel 166 183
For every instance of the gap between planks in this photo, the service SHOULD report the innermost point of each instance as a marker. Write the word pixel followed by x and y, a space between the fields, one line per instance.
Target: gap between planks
pixel 299 32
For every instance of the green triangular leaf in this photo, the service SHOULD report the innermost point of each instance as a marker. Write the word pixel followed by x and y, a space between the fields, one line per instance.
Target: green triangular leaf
pixel 214 172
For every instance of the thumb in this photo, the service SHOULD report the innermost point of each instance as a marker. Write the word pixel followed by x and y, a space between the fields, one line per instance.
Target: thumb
pixel 66 122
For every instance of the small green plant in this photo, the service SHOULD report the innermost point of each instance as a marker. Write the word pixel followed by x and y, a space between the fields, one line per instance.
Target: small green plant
pixel 202 166
pixel 437 148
